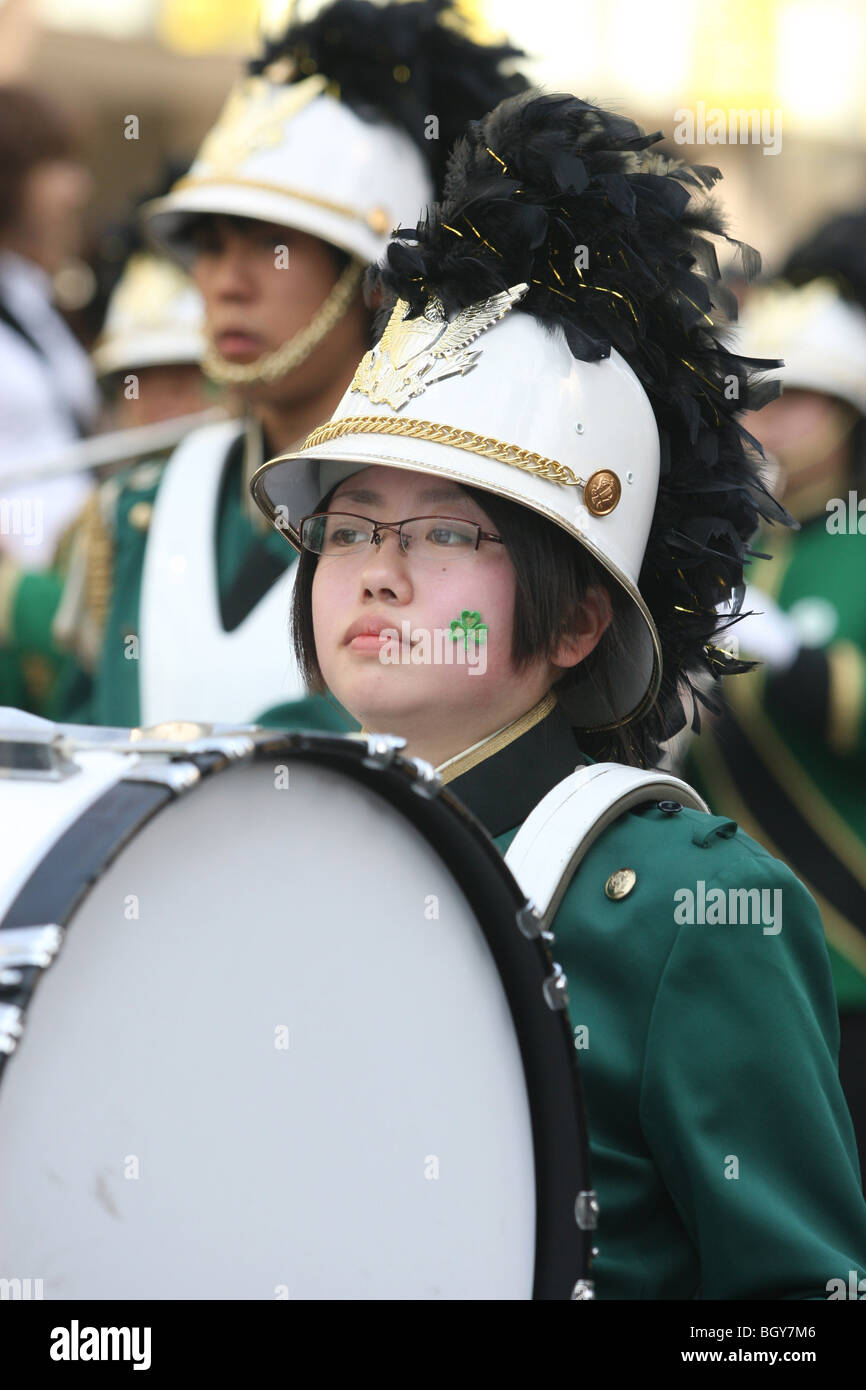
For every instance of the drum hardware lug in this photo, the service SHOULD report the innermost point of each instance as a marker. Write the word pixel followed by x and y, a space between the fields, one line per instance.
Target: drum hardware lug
pixel 428 782
pixel 20 947
pixel 86 738
pixel 178 740
pixel 529 920
pixel 555 989
pixel 171 731
pixel 177 776
pixel 34 748
pixel 584 1288
pixel 586 1210
pixel 232 745
pixel 11 1027
pixel 382 749
pixel 28 946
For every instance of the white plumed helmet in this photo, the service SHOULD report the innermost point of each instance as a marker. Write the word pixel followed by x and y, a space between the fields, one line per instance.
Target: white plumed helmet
pixel 554 342
pixel 155 316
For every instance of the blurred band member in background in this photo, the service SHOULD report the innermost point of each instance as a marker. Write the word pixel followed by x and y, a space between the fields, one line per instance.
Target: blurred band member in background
pixel 148 356
pixel 788 757
pixel 48 396
pixel 147 359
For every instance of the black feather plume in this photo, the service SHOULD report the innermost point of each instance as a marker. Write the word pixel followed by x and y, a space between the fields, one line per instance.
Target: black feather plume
pixel 537 178
pixel 406 62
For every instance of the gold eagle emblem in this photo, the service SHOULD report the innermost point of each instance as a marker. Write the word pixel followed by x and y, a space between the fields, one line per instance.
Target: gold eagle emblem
pixel 253 119
pixel 414 352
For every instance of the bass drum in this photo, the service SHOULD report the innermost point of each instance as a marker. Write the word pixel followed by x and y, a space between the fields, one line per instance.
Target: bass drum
pixel 278 1023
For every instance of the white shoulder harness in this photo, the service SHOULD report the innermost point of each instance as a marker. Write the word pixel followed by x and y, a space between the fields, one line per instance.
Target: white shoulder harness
pixel 191 668
pixel 556 835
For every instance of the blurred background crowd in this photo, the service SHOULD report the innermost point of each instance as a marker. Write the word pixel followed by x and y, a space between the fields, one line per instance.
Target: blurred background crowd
pixel 169 63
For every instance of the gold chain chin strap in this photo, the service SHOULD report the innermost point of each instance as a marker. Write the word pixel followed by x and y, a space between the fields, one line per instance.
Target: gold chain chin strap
pixel 273 365
pixel 447 434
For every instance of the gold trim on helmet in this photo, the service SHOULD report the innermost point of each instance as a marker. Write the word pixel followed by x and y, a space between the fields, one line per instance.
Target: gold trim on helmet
pixel 446 434
pixel 375 218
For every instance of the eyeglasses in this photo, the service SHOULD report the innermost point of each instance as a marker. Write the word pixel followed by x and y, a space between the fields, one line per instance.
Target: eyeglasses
pixel 425 537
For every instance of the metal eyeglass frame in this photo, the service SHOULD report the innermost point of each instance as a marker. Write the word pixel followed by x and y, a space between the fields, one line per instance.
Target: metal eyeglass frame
pixel 380 526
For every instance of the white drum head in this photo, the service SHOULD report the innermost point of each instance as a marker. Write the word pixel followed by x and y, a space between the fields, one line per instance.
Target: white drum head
pixel 273 1058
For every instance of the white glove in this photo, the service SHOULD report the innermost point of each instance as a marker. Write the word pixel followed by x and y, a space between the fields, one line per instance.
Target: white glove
pixel 767 634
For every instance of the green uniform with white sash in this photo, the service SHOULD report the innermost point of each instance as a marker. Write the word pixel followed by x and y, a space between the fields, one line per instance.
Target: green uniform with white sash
pixel 105 690
pixel 722 1150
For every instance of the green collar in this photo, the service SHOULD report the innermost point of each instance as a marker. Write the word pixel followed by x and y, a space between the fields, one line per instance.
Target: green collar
pixel 501 790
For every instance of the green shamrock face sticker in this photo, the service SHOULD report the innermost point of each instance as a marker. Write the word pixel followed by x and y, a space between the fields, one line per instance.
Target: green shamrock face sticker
pixel 468 625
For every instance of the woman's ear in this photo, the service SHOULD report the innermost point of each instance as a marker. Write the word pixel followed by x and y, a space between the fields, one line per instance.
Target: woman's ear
pixel 594 617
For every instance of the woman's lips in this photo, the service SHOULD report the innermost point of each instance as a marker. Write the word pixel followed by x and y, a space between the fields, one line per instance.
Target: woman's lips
pixel 370 633
pixel 367 641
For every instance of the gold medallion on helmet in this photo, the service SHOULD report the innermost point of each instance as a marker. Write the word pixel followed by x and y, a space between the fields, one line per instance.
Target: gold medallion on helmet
pixel 601 492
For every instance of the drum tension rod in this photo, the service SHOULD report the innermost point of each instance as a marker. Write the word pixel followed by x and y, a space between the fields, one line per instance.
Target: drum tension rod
pixel 555 989
pixel 20 948
pixel 586 1210
pixel 382 749
pixel 529 920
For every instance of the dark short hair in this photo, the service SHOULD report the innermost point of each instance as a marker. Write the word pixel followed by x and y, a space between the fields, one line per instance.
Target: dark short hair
pixel 32 131
pixel 194 223
pixel 553 573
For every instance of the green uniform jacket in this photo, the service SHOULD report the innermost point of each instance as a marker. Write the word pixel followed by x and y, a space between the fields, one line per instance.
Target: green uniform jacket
pixel 36 674
pixel 788 759
pixel 248 561
pixel 722 1149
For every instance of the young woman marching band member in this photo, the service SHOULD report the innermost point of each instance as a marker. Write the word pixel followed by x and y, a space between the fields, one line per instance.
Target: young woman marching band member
pixel 541 458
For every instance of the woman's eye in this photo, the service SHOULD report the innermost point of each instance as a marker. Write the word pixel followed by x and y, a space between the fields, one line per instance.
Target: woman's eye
pixel 447 536
pixel 344 535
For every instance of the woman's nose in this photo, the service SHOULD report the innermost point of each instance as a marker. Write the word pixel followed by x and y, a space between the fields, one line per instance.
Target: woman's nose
pixel 385 565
